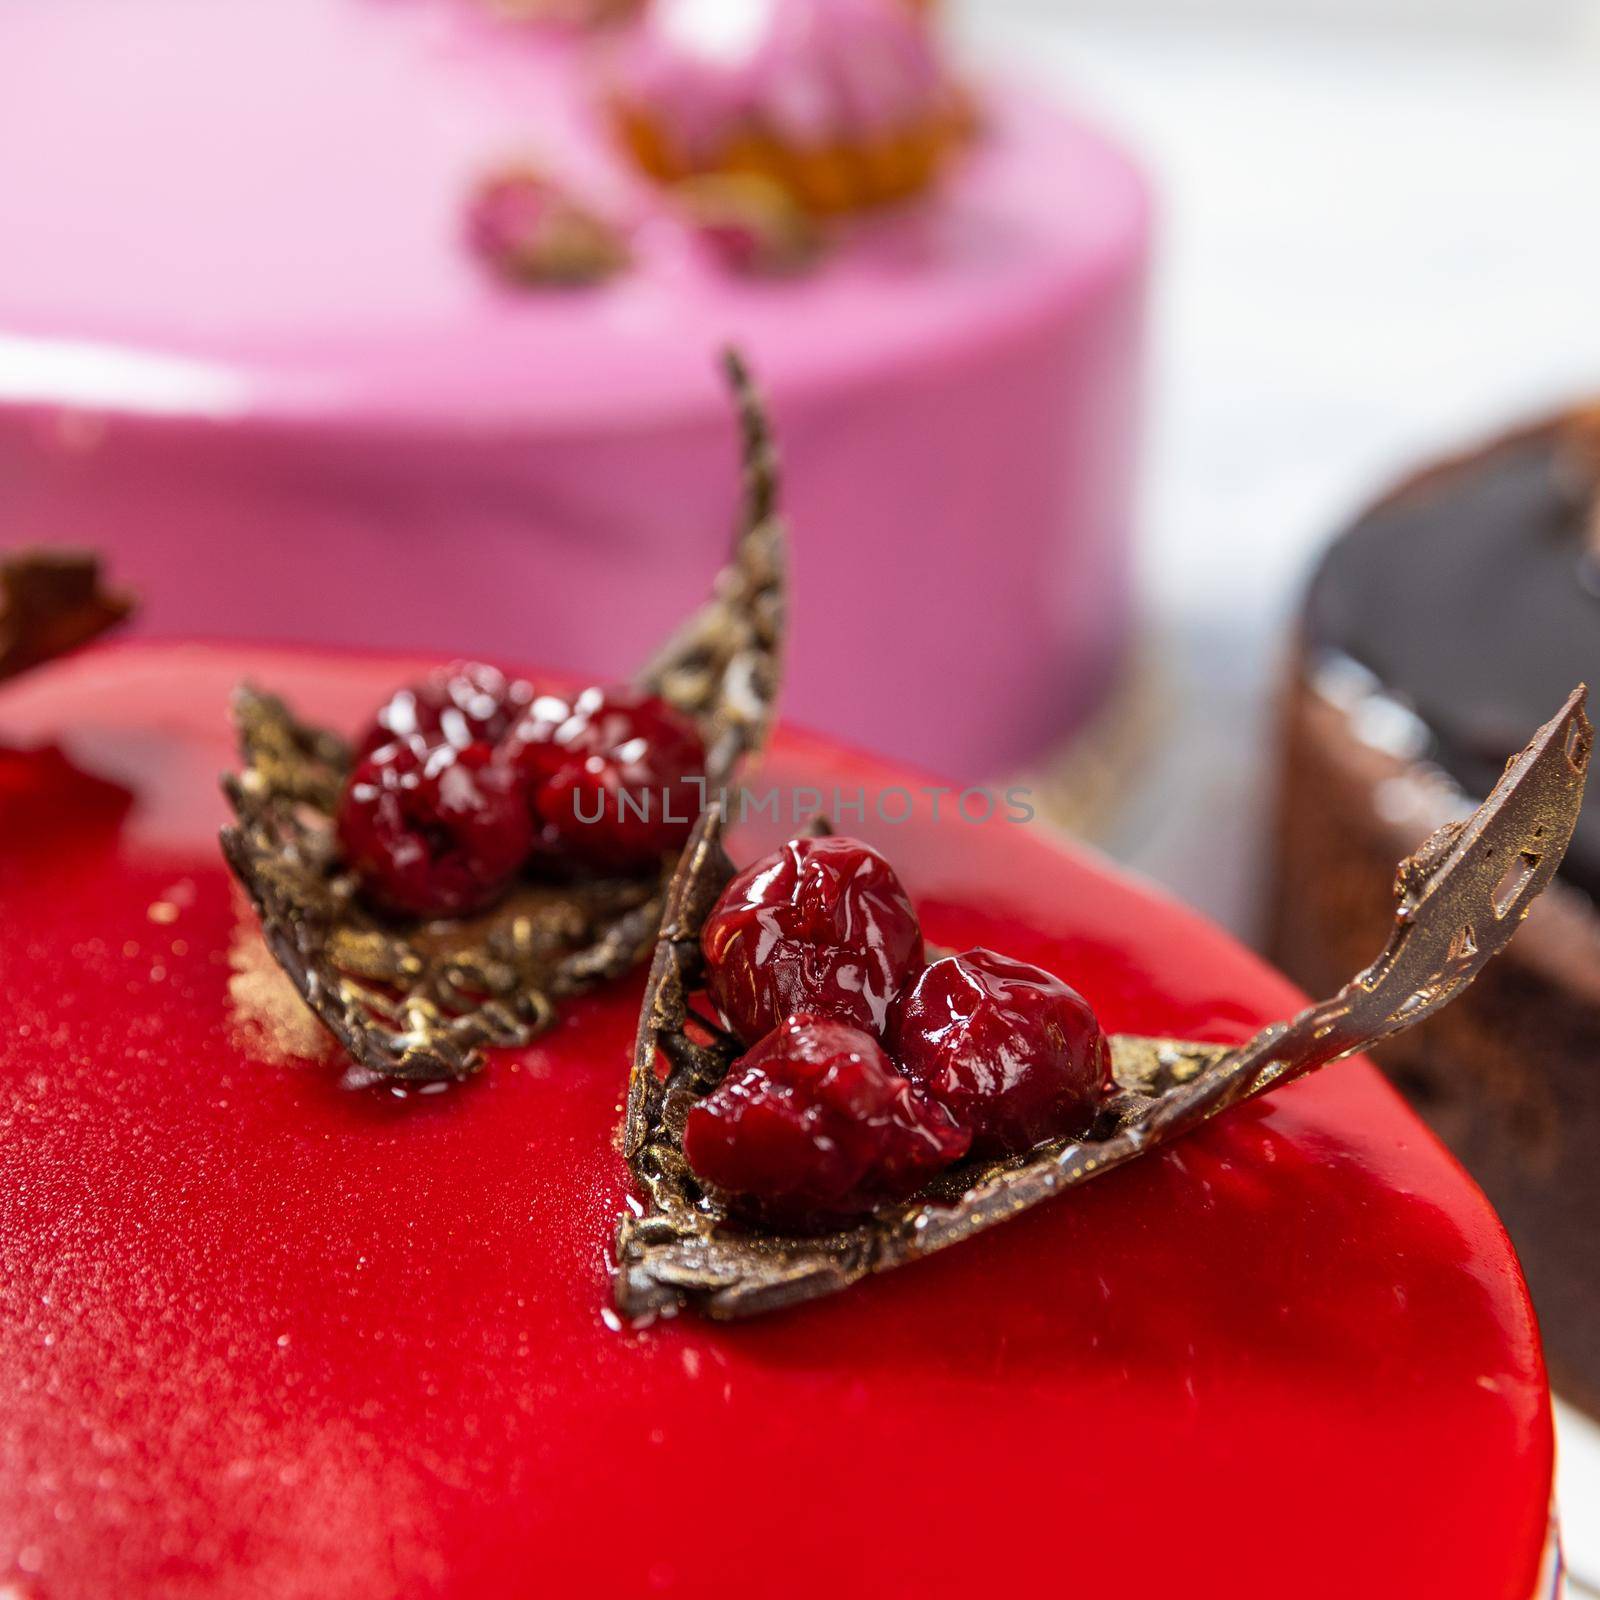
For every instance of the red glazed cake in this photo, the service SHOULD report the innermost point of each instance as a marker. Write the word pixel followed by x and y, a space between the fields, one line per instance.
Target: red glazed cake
pixel 264 1336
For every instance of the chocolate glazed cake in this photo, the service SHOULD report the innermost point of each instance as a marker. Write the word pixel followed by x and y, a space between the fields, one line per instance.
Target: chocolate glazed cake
pixel 1434 631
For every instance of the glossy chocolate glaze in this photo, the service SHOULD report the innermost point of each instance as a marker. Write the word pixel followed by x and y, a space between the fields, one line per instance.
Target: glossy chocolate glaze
pixel 1473 598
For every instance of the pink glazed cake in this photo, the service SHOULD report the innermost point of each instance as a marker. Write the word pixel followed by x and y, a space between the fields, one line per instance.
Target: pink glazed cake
pixel 247 352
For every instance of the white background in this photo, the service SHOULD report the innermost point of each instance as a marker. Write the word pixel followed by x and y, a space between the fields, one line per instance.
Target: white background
pixel 1380 233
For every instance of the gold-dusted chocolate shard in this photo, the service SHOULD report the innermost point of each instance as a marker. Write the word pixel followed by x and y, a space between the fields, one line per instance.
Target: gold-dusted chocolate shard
pixel 419 1002
pixel 725 665
pixel 1459 900
pixel 51 602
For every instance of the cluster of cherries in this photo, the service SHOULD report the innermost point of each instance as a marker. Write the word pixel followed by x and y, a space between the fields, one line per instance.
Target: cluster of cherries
pixel 468 779
pixel 869 1070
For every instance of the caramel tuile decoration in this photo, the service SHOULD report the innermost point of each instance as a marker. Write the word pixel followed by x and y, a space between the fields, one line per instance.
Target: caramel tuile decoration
pixel 52 602
pixel 419 1002
pixel 1459 900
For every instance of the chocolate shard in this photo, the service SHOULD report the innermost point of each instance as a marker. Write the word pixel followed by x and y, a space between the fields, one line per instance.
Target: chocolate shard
pixel 1458 902
pixel 420 1002
pixel 51 602
pixel 725 664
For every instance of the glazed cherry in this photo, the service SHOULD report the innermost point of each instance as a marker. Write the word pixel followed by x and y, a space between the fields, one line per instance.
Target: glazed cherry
pixel 1006 1047
pixel 458 705
pixel 434 831
pixel 815 1125
pixel 823 927
pixel 614 785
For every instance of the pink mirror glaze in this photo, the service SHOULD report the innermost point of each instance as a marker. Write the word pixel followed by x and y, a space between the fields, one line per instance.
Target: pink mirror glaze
pixel 262 1337
pixel 279 194
pixel 244 350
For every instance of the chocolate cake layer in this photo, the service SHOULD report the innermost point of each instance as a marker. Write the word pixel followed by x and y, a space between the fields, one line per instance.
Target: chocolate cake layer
pixel 1438 631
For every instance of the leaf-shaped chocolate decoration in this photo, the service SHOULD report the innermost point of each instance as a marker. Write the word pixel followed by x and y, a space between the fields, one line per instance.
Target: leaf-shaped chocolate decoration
pixel 1459 900
pixel 418 1002
pixel 51 602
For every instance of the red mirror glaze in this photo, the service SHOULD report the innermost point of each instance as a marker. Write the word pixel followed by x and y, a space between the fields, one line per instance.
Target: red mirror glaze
pixel 260 1336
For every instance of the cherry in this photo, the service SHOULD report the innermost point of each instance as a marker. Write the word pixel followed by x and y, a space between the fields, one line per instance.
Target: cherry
pixel 823 927
pixel 617 783
pixel 814 1125
pixel 1006 1047
pixel 434 831
pixel 531 745
pixel 458 705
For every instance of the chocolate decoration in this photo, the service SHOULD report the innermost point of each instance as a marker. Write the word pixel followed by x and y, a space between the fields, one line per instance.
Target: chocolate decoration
pixel 1473 597
pixel 1458 902
pixel 52 602
pixel 419 1002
